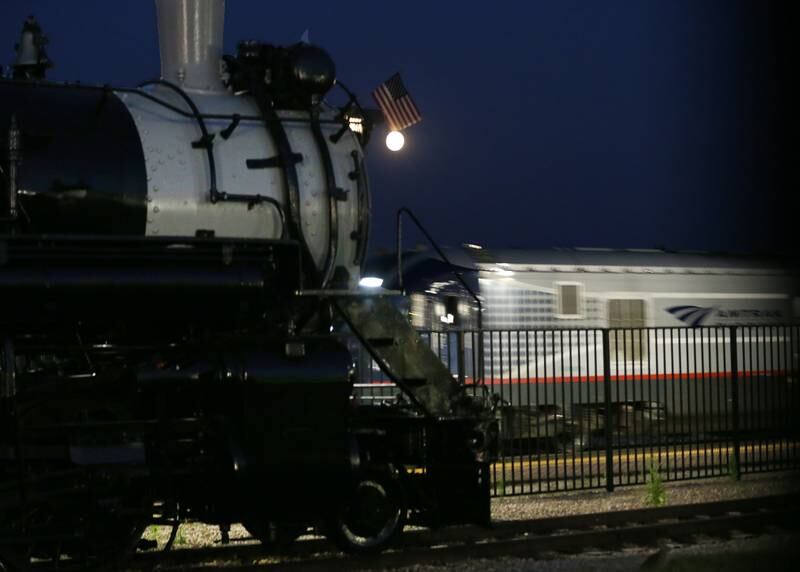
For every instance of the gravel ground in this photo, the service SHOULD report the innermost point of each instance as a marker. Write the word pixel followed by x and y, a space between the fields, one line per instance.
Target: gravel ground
pixel 744 553
pixel 757 553
pixel 711 555
pixel 625 498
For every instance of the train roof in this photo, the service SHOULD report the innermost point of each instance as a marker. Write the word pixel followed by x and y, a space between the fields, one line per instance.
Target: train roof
pixel 422 261
pixel 632 257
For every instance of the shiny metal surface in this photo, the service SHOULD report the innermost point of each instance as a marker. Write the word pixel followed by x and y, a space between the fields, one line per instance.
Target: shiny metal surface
pixel 190 34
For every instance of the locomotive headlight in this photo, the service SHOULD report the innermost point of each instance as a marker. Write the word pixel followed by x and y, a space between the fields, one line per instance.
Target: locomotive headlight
pixel 370 282
pixel 395 141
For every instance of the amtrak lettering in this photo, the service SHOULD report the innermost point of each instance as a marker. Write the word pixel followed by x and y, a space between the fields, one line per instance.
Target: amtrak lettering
pixel 696 315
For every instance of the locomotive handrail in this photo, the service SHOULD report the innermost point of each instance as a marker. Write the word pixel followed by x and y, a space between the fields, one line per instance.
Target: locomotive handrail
pixel 451 266
pixel 333 197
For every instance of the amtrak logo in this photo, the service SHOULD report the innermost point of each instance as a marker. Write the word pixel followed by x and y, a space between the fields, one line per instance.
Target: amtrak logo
pixel 690 315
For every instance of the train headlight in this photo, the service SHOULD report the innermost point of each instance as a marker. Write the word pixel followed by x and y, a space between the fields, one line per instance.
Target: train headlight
pixel 395 141
pixel 370 282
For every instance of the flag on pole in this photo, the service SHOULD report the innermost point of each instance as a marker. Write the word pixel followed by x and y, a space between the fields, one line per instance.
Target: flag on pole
pixel 396 104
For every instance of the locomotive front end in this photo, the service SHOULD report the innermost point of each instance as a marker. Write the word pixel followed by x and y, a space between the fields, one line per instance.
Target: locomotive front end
pixel 247 149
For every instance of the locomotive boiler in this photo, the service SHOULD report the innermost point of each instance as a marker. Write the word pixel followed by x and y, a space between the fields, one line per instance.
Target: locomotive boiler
pixel 178 272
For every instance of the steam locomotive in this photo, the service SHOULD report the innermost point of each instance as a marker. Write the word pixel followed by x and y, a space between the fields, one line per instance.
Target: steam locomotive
pixel 178 271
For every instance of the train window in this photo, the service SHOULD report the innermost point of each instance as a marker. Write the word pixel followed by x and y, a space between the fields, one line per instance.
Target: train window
pixel 627 341
pixel 417 311
pixel 569 300
pixel 452 315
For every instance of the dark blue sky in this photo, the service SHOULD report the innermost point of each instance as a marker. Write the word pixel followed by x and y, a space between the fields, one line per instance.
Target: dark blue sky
pixel 571 123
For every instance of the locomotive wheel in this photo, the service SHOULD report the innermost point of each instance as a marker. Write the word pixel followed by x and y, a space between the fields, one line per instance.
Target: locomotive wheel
pixel 99 512
pixel 373 516
pixel 110 533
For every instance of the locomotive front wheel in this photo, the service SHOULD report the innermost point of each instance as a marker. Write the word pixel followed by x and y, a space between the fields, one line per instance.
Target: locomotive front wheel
pixel 373 516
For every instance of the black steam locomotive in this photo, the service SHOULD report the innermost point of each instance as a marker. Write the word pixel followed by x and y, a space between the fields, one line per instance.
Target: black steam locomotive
pixel 178 273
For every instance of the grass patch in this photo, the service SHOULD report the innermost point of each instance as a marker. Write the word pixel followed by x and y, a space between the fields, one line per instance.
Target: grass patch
pixel 656 494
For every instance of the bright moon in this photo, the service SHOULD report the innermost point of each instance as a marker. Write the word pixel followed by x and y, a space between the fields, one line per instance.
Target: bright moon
pixel 395 141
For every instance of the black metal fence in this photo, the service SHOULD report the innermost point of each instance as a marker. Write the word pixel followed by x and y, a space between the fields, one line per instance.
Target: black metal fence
pixel 600 408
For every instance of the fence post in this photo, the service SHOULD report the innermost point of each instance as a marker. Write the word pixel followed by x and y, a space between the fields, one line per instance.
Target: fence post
pixel 609 416
pixel 735 399
pixel 461 358
pixel 8 388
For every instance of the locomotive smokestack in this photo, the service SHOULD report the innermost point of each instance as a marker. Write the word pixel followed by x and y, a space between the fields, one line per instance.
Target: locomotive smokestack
pixel 190 37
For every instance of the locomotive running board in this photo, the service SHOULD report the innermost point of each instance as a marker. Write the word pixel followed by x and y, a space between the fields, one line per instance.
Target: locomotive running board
pixel 400 352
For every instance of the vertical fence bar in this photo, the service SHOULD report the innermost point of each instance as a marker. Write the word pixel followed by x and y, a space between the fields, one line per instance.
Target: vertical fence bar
pixel 735 398
pixel 547 398
pixel 783 426
pixel 762 398
pixel 794 345
pixel 461 358
pixel 673 450
pixel 722 405
pixel 622 381
pixel 608 413
pixel 663 395
pixel 650 412
pixel 594 458
pixel 498 489
pixel 691 412
pixel 525 437
pixel 528 406
pixel 572 436
pixel 510 380
pixel 773 430
pixel 748 399
pixel 685 419
pixel 538 402
pixel 568 413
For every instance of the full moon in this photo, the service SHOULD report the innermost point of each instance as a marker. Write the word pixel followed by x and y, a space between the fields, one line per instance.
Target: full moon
pixel 395 141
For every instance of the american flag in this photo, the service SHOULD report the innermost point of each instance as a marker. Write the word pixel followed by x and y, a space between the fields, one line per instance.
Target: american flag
pixel 396 103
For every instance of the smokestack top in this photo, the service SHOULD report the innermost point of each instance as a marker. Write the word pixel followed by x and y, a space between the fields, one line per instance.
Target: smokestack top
pixel 190 34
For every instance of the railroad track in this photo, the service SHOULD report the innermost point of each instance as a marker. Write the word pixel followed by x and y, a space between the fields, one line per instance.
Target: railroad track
pixel 524 539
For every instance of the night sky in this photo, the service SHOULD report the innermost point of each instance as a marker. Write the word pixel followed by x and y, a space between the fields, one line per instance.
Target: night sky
pixel 562 123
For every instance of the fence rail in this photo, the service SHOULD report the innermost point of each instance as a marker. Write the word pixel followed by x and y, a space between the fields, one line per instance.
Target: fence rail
pixel 593 408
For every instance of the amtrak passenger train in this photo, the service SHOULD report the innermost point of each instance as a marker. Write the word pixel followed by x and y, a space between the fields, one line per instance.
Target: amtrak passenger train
pixel 545 329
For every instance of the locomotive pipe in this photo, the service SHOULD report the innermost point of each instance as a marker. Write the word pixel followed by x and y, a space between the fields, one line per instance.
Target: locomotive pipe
pixel 190 34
